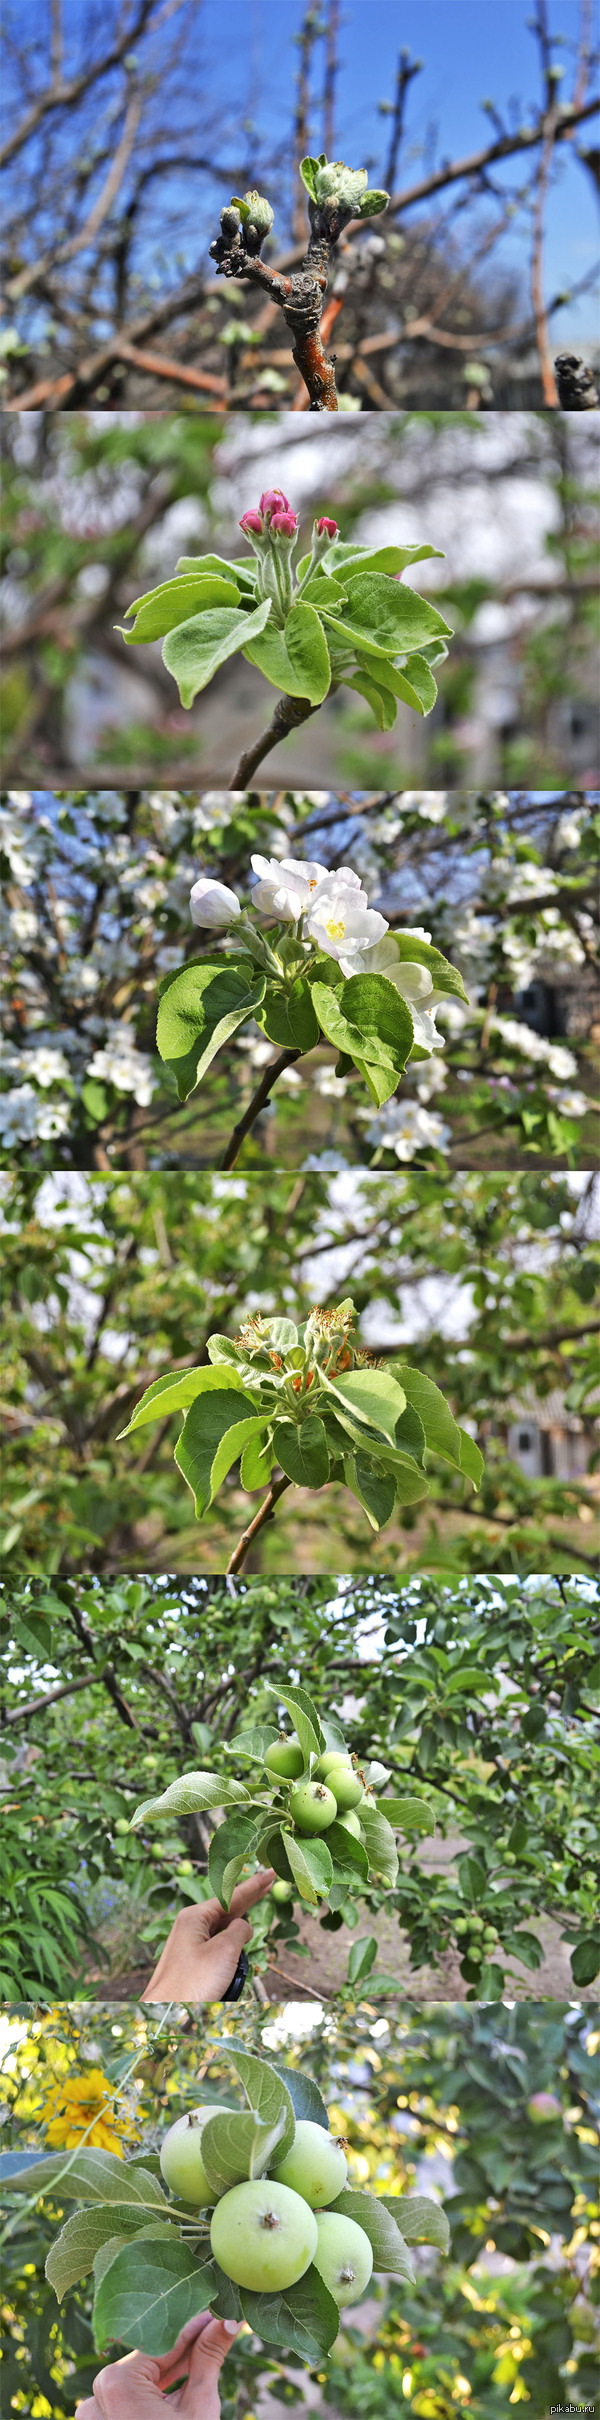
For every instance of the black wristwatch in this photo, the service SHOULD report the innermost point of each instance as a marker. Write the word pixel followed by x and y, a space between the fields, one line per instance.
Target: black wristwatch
pixel 237 1986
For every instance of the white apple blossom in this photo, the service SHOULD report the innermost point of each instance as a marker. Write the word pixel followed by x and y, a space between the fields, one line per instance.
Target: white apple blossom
pixel 47 1065
pixel 286 887
pixel 535 1046
pixel 405 1128
pixel 573 1104
pixel 130 1070
pixel 214 905
pixel 342 924
pixel 18 1114
pixel 53 1118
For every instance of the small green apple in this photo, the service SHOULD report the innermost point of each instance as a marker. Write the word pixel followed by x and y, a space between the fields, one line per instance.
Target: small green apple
pixel 181 2154
pixel 313 1807
pixel 347 1789
pixel 331 1756
pixel 343 2256
pixel 284 1760
pixel 281 1892
pixel 315 2166
pixel 263 2236
pixel 351 1823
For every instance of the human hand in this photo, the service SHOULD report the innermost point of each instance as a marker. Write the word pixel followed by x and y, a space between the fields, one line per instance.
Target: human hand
pixel 199 1959
pixel 133 2389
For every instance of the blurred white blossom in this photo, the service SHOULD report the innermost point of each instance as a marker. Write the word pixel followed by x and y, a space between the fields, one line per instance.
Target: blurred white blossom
pixel 404 1127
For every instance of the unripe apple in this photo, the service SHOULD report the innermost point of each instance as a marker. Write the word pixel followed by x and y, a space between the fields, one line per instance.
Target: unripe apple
pixel 350 1823
pixel 282 1891
pixel 263 2236
pixel 315 2166
pixel 343 2256
pixel 543 2105
pixel 185 1866
pixel 122 1823
pixel 331 1756
pixel 285 1759
pixel 181 2154
pixel 313 1807
pixel 347 1789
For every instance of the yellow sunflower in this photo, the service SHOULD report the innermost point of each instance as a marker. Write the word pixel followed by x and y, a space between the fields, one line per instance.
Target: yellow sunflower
pixel 75 2106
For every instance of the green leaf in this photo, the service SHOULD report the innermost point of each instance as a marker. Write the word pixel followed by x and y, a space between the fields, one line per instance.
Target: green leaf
pixel 422 682
pixel 360 1960
pixel 225 2302
pixel 148 2294
pixel 302 1452
pixel 410 1434
pixel 423 2220
pixel 96 2176
pixel 205 1428
pixel 373 1396
pixel 165 607
pixel 289 1017
pixel 267 2091
pixel 585 1959
pixel 235 1442
pixel 244 572
pixel 390 559
pixel 308 651
pixel 445 977
pixel 191 1795
pixel 308 170
pixel 304 2095
pixel 383 619
pixel 256 1464
pixel 408 1815
pixel 471 1460
pixel 379 1843
pixel 369 2210
pixel 253 1743
pixel 73 2252
pixel 375 1489
pixel 304 1717
pixel 230 1846
pixel 179 1389
pixel 368 1019
pixel 236 2148
pixel 372 202
pixel 195 650
pixel 304 2317
pixel 381 701
pixel 201 1009
pixel 442 1433
pixel 349 1858
pixel 311 1867
pixel 295 659
pixel 396 684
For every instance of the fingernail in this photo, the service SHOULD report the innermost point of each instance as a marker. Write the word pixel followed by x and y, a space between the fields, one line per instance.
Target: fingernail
pixel 231 2327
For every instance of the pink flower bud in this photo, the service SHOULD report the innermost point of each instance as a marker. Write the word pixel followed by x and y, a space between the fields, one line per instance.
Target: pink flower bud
pixel 252 521
pixel 274 501
pixel 285 524
pixel 327 528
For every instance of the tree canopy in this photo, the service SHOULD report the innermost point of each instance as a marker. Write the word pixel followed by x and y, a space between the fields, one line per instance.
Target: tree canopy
pixel 493 2111
pixel 476 1698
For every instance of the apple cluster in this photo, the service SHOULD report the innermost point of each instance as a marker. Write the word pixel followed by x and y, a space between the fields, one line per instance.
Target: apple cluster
pixel 332 1794
pixel 266 2231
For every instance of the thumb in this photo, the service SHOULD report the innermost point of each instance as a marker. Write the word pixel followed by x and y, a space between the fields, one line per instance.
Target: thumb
pixel 221 1955
pixel 201 2399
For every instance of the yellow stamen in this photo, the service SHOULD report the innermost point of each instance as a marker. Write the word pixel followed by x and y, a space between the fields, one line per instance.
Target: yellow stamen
pixel 335 931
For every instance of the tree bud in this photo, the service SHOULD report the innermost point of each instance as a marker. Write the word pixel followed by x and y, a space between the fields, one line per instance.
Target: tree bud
pixel 284 525
pixel 230 219
pixel 326 528
pixel 251 521
pixel 213 905
pixel 274 501
pixel 259 213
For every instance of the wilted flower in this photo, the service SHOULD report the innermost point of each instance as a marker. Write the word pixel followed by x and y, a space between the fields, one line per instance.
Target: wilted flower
pixel 213 905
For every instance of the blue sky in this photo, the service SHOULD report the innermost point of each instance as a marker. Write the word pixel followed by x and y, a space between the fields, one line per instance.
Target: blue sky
pixel 243 61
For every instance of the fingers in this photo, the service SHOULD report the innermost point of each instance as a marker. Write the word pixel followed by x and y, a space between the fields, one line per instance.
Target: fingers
pixel 201 2399
pixel 248 1893
pixel 175 2365
pixel 128 2387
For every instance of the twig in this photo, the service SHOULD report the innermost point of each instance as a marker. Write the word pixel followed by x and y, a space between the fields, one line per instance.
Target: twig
pixel 286 1059
pixel 297 1980
pixel 267 1513
pixel 290 712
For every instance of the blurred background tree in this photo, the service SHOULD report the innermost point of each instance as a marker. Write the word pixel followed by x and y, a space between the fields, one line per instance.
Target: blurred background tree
pixel 126 133
pixel 101 505
pixel 494 2110
pixel 487 1282
pixel 97 899
pixel 480 1696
